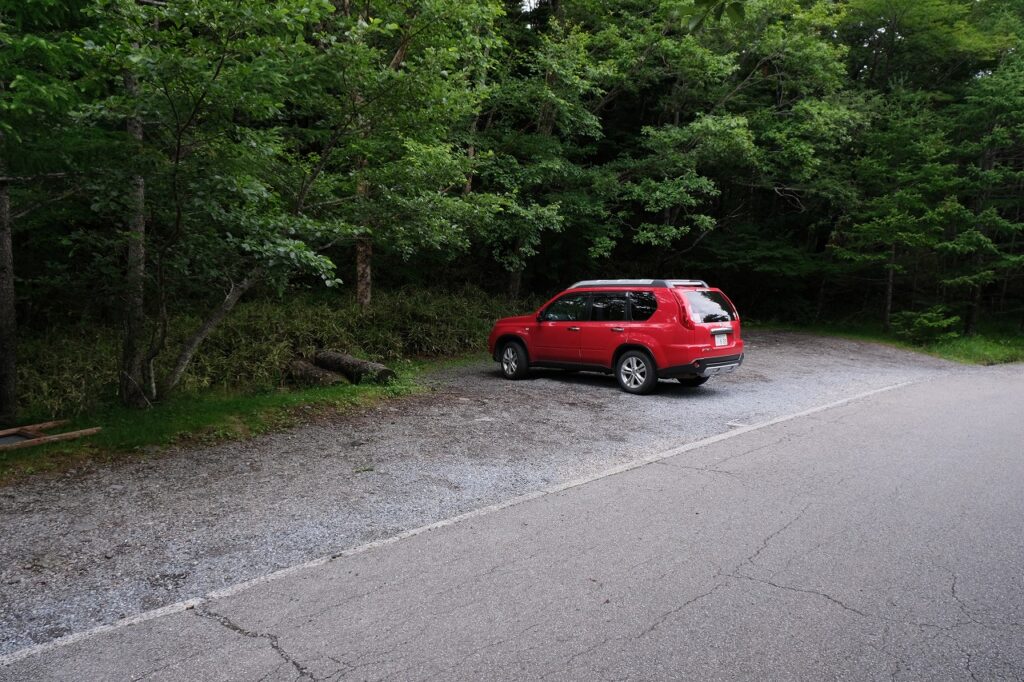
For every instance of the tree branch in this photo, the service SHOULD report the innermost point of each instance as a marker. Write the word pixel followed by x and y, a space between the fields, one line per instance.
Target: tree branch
pixel 32 178
pixel 46 202
pixel 188 350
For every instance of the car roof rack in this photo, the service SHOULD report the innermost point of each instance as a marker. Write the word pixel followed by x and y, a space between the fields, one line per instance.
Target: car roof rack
pixel 661 283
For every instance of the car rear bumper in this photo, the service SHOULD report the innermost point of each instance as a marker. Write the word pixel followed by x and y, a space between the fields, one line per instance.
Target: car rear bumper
pixel 704 367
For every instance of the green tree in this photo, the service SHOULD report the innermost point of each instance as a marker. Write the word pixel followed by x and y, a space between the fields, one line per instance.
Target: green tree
pixel 376 138
pixel 904 175
pixel 198 88
pixel 37 60
pixel 986 231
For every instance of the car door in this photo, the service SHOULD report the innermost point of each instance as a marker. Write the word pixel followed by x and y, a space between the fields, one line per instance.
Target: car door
pixel 557 337
pixel 715 320
pixel 604 329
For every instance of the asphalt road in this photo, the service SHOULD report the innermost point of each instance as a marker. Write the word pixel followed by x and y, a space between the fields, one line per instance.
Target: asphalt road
pixel 880 538
pixel 96 546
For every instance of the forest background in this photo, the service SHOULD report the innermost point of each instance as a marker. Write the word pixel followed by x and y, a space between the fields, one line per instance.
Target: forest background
pixel 193 192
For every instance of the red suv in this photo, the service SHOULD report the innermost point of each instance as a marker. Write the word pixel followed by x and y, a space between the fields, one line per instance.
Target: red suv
pixel 642 330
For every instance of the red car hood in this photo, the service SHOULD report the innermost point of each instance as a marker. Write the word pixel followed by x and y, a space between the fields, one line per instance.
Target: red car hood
pixel 519 319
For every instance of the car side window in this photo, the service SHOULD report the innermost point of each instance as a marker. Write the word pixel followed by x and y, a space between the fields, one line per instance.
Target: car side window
pixel 569 308
pixel 608 307
pixel 643 305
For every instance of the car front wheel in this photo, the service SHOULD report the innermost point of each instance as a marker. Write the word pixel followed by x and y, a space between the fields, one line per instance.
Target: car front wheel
pixel 514 364
pixel 636 373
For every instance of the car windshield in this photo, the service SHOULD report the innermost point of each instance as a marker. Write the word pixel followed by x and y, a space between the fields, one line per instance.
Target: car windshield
pixel 710 306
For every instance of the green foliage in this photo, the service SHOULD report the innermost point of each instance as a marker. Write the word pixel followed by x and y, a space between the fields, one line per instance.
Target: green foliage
pixel 214 78
pixel 706 9
pixel 69 370
pixel 35 60
pixel 930 326
pixel 982 349
pixel 817 159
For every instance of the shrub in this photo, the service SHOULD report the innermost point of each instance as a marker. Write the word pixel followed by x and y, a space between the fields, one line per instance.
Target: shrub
pixel 930 326
pixel 71 370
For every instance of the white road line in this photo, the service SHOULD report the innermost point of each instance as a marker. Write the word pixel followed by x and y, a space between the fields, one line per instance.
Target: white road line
pixel 179 607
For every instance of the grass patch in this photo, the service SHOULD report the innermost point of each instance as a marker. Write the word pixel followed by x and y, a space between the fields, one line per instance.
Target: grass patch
pixel 203 419
pixel 981 350
pixel 989 348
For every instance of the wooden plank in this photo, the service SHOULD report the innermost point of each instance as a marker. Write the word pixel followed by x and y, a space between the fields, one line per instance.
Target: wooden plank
pixel 70 435
pixel 42 426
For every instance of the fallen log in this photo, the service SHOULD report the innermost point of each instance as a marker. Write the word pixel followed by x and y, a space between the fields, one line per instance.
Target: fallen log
pixel 304 373
pixel 34 434
pixel 355 369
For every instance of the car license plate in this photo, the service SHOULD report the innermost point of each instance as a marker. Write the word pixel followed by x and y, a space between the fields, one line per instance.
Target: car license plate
pixel 721 339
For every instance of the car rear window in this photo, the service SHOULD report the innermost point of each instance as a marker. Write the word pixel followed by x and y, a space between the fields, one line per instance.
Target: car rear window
pixel 644 305
pixel 710 306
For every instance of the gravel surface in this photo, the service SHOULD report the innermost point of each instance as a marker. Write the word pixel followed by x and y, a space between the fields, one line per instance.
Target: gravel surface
pixel 89 549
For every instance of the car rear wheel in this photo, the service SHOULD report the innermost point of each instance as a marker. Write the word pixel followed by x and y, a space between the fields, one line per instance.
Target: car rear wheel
pixel 514 364
pixel 636 373
pixel 693 381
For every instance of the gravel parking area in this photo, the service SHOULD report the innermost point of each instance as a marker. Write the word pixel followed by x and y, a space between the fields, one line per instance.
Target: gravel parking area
pixel 89 549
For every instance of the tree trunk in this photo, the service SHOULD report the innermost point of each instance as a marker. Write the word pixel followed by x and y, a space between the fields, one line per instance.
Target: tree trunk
pixel 132 380
pixel 1004 290
pixel 8 322
pixel 192 344
pixel 889 282
pixel 474 125
pixel 364 243
pixel 364 274
pixel 987 163
pixel 971 319
pixel 515 283
pixel 467 187
pixel 819 308
pixel 304 373
pixel 355 369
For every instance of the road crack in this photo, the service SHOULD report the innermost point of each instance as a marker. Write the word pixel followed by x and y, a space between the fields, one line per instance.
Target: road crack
pixel 272 639
pixel 767 541
pixel 804 590
pixel 671 612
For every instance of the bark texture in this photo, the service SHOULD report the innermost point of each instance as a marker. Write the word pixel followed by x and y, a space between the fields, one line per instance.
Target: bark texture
pixel 364 273
pixel 474 125
pixel 355 369
pixel 133 349
pixel 971 318
pixel 515 283
pixel 304 373
pixel 8 321
pixel 188 350
pixel 890 279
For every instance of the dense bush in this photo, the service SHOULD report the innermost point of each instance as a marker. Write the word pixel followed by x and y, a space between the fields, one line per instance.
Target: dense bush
pixel 929 326
pixel 67 371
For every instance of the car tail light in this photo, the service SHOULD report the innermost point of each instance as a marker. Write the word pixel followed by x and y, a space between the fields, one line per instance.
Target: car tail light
pixel 684 317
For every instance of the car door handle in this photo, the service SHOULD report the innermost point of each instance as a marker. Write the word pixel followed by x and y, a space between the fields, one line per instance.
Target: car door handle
pixel 574 329
pixel 618 329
